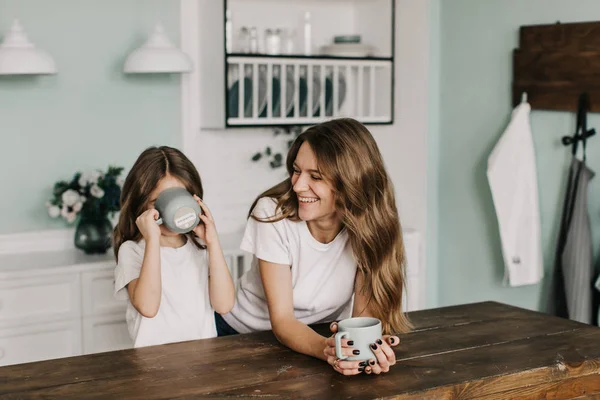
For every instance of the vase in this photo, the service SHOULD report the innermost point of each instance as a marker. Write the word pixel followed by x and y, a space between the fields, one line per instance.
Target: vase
pixel 93 234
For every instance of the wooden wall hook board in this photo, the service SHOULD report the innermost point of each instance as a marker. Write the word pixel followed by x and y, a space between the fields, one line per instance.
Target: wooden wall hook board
pixel 555 63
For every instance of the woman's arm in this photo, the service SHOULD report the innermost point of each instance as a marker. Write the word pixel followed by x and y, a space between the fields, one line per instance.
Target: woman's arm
pixel 277 282
pixel 220 284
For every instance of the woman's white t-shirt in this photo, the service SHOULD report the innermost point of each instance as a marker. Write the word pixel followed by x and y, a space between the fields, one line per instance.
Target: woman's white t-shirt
pixel 185 311
pixel 322 274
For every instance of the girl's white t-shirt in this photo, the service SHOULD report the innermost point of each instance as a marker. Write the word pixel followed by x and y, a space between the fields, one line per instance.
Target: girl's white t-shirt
pixel 322 274
pixel 185 311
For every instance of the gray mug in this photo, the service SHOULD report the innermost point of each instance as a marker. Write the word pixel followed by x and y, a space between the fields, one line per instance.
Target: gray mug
pixel 178 210
pixel 363 331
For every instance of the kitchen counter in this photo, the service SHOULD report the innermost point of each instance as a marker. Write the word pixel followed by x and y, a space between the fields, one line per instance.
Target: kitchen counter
pixel 483 350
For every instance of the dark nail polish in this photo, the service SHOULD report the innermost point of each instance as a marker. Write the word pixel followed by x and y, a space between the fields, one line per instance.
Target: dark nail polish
pixel 374 346
pixel 379 342
pixel 363 364
pixel 350 342
pixel 356 352
pixel 392 340
pixel 372 362
pixel 361 369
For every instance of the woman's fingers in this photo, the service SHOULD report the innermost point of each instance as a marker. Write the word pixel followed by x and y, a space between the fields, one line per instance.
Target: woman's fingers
pixel 375 368
pixel 346 351
pixel 333 327
pixel 346 367
pixel 345 342
pixel 381 357
pixel 388 351
pixel 391 340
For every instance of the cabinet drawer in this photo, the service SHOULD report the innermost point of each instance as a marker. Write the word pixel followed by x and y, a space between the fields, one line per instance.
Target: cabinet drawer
pixel 40 342
pixel 414 295
pixel 412 249
pixel 98 299
pixel 106 333
pixel 39 299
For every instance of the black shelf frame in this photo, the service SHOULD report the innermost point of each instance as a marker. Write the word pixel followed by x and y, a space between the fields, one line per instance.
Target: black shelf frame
pixel 311 57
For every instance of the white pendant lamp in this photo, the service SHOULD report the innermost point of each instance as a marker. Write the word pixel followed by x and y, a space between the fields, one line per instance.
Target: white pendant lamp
pixel 18 56
pixel 158 55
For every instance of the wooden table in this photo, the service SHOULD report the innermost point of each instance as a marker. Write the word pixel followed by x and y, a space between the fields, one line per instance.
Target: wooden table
pixel 483 350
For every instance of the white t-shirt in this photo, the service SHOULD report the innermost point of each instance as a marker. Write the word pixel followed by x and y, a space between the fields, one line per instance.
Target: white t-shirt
pixel 185 311
pixel 322 274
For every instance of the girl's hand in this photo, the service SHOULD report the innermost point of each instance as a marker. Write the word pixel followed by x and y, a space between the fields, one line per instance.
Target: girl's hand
pixel 206 229
pixel 147 225
pixel 342 366
pixel 385 356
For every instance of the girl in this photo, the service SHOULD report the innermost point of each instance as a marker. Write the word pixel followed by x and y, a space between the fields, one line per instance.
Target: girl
pixel 327 244
pixel 172 282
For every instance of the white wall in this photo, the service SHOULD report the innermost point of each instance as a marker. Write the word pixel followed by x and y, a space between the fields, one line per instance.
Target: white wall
pixel 222 156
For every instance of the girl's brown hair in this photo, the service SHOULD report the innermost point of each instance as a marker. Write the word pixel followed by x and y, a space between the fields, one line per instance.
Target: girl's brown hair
pixel 150 167
pixel 348 157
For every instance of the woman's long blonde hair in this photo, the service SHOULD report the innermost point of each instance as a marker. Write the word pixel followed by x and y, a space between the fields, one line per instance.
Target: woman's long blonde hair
pixel 348 157
pixel 150 167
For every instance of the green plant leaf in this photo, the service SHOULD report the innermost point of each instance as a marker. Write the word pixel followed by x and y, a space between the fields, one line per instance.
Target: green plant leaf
pixel 256 157
pixel 277 157
pixel 268 151
pixel 289 143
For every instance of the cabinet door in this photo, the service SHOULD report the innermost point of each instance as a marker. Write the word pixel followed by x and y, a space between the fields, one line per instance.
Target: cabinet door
pixel 98 299
pixel 39 299
pixel 40 342
pixel 105 333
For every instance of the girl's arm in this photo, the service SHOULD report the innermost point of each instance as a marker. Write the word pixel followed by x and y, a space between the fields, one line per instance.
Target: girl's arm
pixel 145 291
pixel 220 285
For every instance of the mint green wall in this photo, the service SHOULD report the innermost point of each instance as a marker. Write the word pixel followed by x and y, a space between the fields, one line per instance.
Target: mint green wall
pixel 477 38
pixel 90 114
pixel 433 156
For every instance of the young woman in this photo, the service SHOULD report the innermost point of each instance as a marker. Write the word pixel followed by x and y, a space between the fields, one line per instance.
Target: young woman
pixel 327 245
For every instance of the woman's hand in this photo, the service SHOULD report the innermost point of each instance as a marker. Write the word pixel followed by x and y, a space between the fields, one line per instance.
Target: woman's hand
pixel 147 225
pixel 206 230
pixel 385 356
pixel 342 366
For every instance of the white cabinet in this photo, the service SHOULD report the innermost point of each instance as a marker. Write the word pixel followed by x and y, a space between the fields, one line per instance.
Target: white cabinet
pixel 105 333
pixel 60 303
pixel 45 298
pixel 97 288
pixel 40 342
pixel 415 275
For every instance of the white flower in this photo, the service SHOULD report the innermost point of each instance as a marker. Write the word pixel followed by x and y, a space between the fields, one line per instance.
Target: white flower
pixel 77 207
pixel 82 199
pixel 68 215
pixel 97 191
pixel 89 177
pixel 53 211
pixel 70 197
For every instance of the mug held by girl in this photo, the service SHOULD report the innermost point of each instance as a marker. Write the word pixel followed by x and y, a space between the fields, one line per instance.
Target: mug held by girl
pixel 178 210
pixel 363 331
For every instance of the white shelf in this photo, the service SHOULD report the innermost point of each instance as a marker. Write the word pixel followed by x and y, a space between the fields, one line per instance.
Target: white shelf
pixel 299 121
pixel 334 87
pixel 295 89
